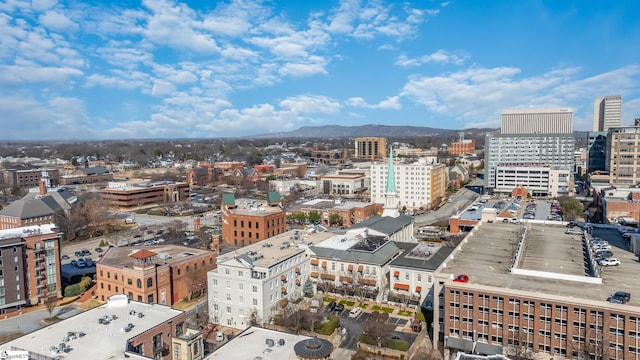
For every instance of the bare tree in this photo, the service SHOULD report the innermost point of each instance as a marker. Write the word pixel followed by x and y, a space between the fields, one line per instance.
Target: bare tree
pixel 376 327
pixel 50 301
pixel 325 286
pixel 196 281
pixel 520 345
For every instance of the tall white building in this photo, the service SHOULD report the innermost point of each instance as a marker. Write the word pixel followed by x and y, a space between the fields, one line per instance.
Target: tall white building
pixel 254 283
pixel 417 184
pixel 607 112
pixel 537 121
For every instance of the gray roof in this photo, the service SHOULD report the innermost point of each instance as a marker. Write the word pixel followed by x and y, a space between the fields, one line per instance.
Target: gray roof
pixel 428 263
pixel 385 224
pixel 29 208
pixel 61 196
pixel 97 170
pixel 379 256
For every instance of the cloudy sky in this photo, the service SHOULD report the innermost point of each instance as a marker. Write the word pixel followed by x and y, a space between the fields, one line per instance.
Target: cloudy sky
pixel 168 69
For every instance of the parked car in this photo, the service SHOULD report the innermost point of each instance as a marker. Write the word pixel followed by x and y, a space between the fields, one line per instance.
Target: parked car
pixel 65 257
pixel 219 336
pixel 339 308
pixel 74 262
pixel 78 254
pixel 98 250
pixel 461 278
pixel 573 231
pixel 609 262
pixel 331 306
pixel 81 264
pixel 86 252
pixel 619 297
pixel 355 312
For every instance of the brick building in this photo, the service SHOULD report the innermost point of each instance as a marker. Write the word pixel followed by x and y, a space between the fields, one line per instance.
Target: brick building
pixel 88 175
pixel 123 195
pixel 28 177
pixel 153 274
pixel 29 266
pixel 246 221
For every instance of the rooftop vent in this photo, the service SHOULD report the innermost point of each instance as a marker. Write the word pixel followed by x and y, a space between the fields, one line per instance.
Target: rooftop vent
pixel 281 342
pixel 270 342
pixel 164 256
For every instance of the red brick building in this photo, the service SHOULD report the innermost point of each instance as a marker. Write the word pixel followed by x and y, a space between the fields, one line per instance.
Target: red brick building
pixel 153 274
pixel 463 146
pixel 245 221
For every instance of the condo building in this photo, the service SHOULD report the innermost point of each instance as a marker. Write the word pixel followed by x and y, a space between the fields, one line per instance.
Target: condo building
pixel 370 148
pixel 607 112
pixel 537 121
pixel 623 145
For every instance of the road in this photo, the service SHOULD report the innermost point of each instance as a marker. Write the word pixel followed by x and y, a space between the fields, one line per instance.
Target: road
pixel 459 201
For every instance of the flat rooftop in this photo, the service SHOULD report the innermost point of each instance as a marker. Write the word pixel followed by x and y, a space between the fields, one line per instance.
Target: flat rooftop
pixel 270 251
pixel 252 344
pixel 167 254
pixel 99 341
pixel 550 262
pixel 26 231
pixel 254 207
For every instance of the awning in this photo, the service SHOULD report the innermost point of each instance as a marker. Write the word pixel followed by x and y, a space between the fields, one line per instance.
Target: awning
pixel 327 277
pixel 396 273
pixel 297 270
pixel 314 274
pixel 324 264
pixel 459 344
pixel 348 279
pixel 298 281
pixel 360 268
pixel 283 277
pixel 418 289
pixel 283 290
pixel 314 262
pixel 350 267
pixel 399 286
pixel 487 349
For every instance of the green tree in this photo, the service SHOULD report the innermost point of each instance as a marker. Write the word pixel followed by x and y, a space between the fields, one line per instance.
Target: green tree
pixel 335 219
pixel 307 289
pixel 314 217
pixel 571 208
pixel 300 217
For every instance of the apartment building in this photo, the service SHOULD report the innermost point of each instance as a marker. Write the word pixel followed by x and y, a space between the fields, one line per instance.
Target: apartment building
pixel 353 264
pixel 124 195
pixel 246 221
pixel 622 155
pixel 526 287
pixel 163 274
pixel 607 112
pixel 351 212
pixel 29 266
pixel 253 284
pixel 119 329
pixel 411 274
pixel 418 184
pixel 370 148
pixel 554 151
pixel 539 181
pixel 537 121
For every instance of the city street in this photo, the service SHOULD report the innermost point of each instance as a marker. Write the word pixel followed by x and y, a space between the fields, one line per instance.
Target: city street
pixel 33 320
pixel 459 201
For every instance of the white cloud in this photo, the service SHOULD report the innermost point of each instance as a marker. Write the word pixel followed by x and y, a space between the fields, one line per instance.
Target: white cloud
pixel 31 73
pixel 57 21
pixel 477 95
pixel 42 5
pixel 438 57
pixel 310 104
pixel 390 103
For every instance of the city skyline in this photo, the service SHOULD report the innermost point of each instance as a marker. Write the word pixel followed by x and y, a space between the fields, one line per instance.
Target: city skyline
pixel 163 69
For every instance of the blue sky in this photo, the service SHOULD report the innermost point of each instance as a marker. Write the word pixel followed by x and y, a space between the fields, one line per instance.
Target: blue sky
pixel 198 69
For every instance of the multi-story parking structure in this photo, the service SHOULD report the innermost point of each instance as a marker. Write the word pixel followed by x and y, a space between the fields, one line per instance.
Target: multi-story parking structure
pixel 531 286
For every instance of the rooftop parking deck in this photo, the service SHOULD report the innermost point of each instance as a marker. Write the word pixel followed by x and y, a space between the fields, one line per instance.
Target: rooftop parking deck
pixel 551 262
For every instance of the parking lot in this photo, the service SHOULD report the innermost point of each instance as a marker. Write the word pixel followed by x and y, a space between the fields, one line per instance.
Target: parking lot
pixel 356 326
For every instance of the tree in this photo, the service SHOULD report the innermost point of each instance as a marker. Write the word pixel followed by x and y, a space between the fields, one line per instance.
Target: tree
pixel 196 282
pixel 50 302
pixel 571 208
pixel 520 345
pixel 335 219
pixel 376 327
pixel 314 217
pixel 307 289
pixel 325 286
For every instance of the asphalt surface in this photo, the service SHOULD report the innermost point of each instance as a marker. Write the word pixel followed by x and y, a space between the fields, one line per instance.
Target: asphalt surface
pixel 33 320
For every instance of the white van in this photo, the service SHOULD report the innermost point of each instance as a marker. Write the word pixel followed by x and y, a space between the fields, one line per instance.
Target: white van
pixel 355 312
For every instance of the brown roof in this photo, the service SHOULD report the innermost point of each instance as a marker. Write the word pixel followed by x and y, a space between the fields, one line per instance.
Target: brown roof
pixel 143 254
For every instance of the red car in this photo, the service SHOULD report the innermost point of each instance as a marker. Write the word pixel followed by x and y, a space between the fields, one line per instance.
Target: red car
pixel 461 278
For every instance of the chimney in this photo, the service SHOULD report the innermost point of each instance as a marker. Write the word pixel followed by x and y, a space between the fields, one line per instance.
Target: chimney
pixel 215 243
pixel 196 223
pixel 43 188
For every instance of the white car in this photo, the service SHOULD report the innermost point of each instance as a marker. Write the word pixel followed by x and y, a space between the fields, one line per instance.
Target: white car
pixel 219 336
pixel 355 312
pixel 573 231
pixel 609 262
pixel 601 247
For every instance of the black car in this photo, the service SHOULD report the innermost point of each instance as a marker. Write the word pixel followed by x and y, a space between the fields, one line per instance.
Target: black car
pixel 65 257
pixel 98 250
pixel 339 308
pixel 78 254
pixel 331 306
pixel 619 297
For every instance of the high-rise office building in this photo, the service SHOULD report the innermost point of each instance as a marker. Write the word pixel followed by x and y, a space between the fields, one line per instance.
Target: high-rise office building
pixel 607 112
pixel 370 148
pixel 537 121
pixel 623 150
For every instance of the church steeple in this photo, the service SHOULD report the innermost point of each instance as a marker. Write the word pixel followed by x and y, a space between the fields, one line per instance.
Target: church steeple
pixel 391 196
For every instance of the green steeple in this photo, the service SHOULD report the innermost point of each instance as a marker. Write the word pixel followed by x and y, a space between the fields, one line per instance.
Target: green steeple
pixel 391 174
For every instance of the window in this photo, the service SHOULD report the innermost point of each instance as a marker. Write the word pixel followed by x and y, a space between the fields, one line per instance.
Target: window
pixel 240 286
pixel 176 350
pixel 150 299
pixel 139 283
pixel 228 309
pixel 228 297
pixel 254 288
pixel 255 302
pixel 227 284
pixel 129 282
pixel 149 282
pixel 157 342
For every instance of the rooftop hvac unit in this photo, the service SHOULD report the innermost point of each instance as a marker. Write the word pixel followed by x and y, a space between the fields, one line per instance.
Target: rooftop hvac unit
pixel 281 342
pixel 270 342
pixel 164 256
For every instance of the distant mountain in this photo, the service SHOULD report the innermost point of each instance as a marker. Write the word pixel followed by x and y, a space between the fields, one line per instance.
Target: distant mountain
pixel 338 131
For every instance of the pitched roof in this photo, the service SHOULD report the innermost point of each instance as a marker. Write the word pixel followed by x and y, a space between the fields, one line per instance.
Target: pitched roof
pixel 96 170
pixel 29 208
pixel 385 225
pixel 380 256
pixel 143 254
